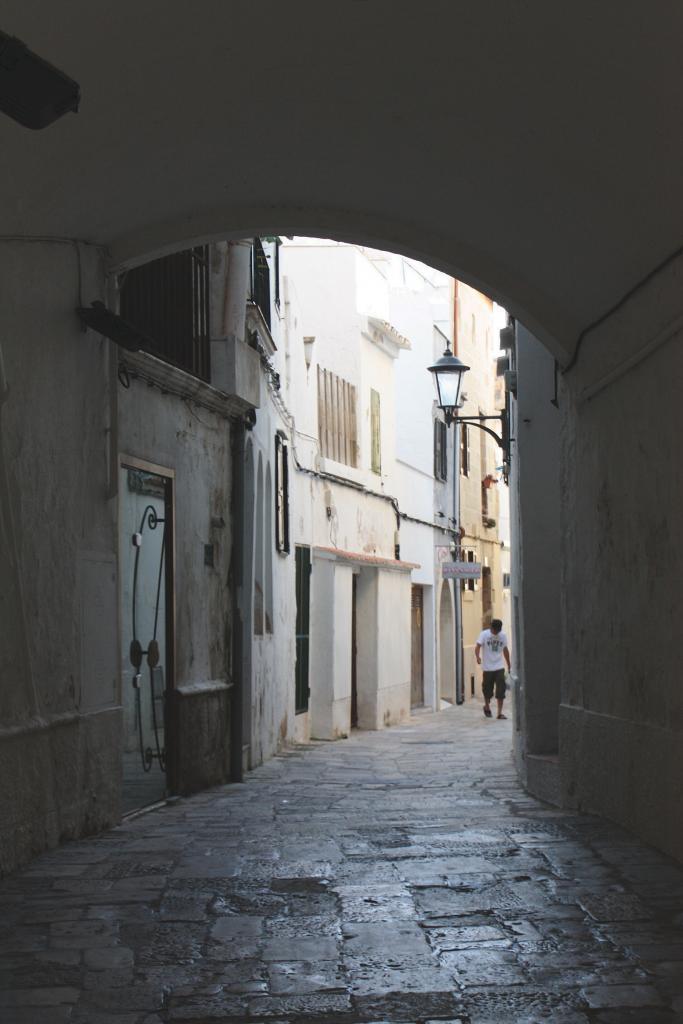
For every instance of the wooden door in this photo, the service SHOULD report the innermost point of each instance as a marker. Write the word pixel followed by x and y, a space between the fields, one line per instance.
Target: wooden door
pixel 303 593
pixel 354 645
pixel 417 696
pixel 486 596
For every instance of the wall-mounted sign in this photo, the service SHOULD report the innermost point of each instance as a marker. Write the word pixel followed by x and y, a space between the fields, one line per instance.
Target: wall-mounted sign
pixel 461 570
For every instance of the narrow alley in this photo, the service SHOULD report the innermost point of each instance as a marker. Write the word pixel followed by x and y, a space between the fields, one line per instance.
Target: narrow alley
pixel 396 876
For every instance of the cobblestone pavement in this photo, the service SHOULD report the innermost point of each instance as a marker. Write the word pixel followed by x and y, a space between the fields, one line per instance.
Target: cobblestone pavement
pixel 396 876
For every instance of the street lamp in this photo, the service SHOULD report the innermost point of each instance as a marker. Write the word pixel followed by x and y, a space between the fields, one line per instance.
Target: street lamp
pixel 448 372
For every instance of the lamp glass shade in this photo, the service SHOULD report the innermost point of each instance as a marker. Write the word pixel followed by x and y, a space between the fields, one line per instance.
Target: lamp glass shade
pixel 448 373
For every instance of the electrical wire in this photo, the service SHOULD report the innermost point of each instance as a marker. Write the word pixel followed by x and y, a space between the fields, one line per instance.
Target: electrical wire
pixel 618 305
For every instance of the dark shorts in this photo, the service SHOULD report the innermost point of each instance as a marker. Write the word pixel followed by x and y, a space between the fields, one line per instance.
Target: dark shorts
pixel 497 679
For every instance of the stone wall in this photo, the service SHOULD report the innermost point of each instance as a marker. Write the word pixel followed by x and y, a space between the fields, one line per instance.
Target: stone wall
pixel 59 716
pixel 621 719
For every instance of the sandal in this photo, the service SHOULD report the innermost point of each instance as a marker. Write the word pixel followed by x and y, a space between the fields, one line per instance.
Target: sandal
pixel 502 716
pixel 487 712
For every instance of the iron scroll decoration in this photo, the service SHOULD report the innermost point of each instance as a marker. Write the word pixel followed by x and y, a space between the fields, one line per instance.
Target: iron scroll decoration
pixel 151 519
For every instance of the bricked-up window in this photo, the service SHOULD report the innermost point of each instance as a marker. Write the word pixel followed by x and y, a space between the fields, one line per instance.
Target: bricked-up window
pixel 281 494
pixel 337 428
pixel 375 433
pixel 168 300
pixel 440 450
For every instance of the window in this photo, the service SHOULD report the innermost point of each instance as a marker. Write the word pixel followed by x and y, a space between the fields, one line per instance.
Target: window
pixel 469 555
pixel 281 494
pixel 276 270
pixel 440 450
pixel 506 581
pixel 259 290
pixel 268 535
pixel 375 433
pixel 464 450
pixel 337 418
pixel 168 300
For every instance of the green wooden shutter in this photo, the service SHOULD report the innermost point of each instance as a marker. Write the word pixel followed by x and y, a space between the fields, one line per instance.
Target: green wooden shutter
pixel 376 464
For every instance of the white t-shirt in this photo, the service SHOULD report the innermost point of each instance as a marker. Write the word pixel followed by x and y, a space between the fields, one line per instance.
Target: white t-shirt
pixel 492 645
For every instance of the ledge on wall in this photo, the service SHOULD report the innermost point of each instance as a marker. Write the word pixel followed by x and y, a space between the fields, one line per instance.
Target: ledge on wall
pixel 238 372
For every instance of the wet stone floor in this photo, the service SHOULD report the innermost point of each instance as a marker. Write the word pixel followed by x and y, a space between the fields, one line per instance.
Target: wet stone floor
pixel 401 876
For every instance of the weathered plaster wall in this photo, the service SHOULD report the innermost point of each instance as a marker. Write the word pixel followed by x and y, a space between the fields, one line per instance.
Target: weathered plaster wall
pixel 274 653
pixel 194 442
pixel 59 716
pixel 621 719
pixel 330 648
pixel 393 647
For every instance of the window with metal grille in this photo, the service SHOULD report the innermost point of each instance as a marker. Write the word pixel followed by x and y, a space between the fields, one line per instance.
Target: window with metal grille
pixel 337 428
pixel 440 450
pixel 281 494
pixel 168 300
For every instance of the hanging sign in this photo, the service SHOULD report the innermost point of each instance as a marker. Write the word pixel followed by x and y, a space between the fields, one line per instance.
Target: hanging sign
pixel 461 570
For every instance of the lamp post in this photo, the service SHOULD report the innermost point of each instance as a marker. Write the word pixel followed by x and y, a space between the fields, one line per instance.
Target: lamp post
pixel 448 372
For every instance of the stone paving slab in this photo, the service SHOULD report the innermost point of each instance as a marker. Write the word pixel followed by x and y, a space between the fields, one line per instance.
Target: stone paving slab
pixel 400 877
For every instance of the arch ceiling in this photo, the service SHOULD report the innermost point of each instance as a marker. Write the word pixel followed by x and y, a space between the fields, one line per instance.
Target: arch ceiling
pixel 533 149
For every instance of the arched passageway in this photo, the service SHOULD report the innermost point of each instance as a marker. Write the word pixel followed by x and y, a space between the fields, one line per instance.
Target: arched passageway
pixel 546 196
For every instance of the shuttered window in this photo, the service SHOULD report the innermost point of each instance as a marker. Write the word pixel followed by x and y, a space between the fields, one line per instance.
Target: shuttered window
pixel 464 450
pixel 337 428
pixel 375 433
pixel 440 450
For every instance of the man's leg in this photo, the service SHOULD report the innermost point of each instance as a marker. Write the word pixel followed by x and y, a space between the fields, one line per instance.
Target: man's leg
pixel 500 693
pixel 487 688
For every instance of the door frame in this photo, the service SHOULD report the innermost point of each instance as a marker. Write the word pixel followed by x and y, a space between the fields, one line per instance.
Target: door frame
pixel 417 635
pixel 170 725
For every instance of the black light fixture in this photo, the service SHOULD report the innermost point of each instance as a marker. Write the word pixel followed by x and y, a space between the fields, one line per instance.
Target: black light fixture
pixel 33 92
pixel 448 373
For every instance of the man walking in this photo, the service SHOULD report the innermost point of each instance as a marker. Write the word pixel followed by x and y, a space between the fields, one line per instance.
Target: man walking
pixel 496 656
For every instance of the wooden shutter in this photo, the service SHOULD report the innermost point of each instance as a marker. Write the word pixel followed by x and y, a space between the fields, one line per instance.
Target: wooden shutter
pixel 376 439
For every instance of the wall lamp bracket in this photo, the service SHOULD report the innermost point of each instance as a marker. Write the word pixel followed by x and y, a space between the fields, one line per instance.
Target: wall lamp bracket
pixel 98 318
pixel 503 440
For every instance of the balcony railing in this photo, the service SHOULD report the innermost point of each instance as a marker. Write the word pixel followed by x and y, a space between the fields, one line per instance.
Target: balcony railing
pixel 168 300
pixel 259 292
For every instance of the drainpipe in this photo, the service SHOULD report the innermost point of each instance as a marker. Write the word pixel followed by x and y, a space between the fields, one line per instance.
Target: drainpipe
pixel 234 327
pixel 457 590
